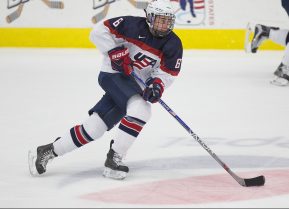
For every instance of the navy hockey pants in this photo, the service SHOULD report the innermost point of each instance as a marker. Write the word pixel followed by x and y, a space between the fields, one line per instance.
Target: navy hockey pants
pixel 118 90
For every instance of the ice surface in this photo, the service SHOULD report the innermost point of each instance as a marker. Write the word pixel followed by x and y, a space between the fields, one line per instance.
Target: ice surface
pixel 224 96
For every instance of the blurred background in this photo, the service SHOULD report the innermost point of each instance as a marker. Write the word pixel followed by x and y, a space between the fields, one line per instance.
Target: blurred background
pixel 201 24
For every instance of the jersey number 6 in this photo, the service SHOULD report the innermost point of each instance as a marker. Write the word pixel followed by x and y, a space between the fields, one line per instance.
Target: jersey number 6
pixel 117 22
pixel 178 64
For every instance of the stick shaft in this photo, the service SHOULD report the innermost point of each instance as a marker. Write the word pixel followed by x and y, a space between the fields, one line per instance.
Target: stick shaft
pixel 99 16
pixel 195 136
pixel 54 4
pixel 16 14
pixel 139 4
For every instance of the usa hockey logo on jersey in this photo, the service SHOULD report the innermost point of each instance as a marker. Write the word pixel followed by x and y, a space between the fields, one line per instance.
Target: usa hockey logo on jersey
pixel 142 61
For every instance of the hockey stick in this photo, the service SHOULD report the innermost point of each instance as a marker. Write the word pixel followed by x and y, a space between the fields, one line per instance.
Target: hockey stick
pixel 143 5
pixel 99 16
pixel 54 4
pixel 103 4
pixel 138 4
pixel 16 14
pixel 256 181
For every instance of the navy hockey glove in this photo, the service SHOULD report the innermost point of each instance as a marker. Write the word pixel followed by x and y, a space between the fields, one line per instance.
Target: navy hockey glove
pixel 154 90
pixel 120 60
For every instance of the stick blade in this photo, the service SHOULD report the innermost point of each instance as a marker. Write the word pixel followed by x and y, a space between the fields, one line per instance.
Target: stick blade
pixel 257 181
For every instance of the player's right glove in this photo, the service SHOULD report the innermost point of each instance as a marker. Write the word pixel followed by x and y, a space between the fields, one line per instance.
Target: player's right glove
pixel 154 90
pixel 120 60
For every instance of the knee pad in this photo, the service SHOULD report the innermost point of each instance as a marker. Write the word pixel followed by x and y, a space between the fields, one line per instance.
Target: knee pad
pixel 138 108
pixel 94 126
pixel 108 111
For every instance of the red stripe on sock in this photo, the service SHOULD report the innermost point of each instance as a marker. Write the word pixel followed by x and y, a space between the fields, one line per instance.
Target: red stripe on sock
pixel 80 138
pixel 131 125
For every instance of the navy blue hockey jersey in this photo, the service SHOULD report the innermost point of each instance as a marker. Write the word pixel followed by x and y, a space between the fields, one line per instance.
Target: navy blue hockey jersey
pixel 152 56
pixel 285 5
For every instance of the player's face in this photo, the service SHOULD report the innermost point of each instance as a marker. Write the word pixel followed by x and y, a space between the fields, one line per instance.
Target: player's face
pixel 163 23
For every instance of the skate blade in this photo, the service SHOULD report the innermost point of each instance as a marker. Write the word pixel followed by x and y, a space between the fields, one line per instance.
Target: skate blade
pixel 277 81
pixel 113 174
pixel 248 38
pixel 31 163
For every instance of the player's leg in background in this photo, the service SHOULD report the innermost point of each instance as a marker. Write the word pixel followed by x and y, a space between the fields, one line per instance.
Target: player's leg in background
pixel 281 75
pixel 192 8
pixel 281 37
pixel 183 4
pixel 261 33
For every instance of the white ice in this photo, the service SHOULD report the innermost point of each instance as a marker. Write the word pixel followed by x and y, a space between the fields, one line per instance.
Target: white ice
pixel 224 96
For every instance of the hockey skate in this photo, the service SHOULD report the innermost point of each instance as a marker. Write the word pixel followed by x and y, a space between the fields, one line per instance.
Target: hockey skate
pixel 281 76
pixel 114 168
pixel 260 34
pixel 38 159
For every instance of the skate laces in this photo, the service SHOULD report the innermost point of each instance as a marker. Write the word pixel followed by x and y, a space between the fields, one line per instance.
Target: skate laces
pixel 285 69
pixel 46 157
pixel 117 158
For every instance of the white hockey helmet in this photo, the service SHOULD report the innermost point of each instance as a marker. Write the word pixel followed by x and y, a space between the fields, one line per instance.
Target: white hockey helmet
pixel 160 17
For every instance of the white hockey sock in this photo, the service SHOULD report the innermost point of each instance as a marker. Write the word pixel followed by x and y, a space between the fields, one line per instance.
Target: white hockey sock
pixel 93 128
pixel 129 129
pixel 122 142
pixel 279 36
pixel 138 113
pixel 64 145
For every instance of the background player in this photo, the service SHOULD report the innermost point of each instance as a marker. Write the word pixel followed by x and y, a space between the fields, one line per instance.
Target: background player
pixel 280 36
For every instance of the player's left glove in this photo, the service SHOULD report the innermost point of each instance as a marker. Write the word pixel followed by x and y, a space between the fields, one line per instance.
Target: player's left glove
pixel 154 90
pixel 120 60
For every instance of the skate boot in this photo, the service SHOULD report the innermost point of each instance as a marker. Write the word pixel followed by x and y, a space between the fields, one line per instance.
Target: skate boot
pixel 281 77
pixel 39 159
pixel 261 33
pixel 114 168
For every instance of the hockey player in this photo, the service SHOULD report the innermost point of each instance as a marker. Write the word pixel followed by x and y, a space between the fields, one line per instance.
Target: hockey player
pixel 280 36
pixel 183 4
pixel 150 48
